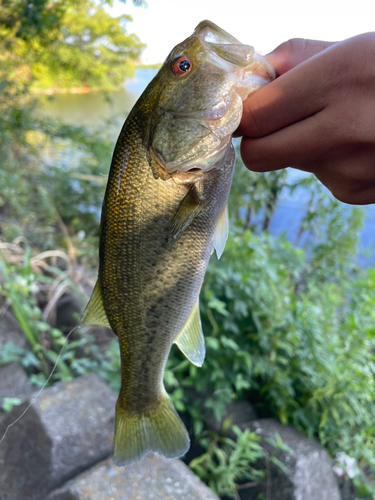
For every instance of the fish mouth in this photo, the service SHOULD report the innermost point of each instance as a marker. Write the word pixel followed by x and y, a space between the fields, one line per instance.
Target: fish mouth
pixel 211 32
pixel 227 53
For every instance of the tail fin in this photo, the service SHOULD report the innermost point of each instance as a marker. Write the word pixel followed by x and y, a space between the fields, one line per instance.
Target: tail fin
pixel 160 430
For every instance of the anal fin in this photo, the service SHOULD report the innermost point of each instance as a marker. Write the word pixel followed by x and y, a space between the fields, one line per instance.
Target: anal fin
pixel 94 313
pixel 190 340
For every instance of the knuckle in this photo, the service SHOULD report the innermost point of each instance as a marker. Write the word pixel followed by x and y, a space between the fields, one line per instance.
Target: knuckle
pixel 256 117
pixel 254 122
pixel 292 45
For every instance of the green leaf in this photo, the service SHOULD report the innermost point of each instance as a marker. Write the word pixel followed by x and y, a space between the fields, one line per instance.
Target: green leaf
pixel 324 418
pixel 218 305
pixel 9 403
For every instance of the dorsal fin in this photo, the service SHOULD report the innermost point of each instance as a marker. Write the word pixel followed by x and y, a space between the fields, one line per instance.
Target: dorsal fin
pixel 190 340
pixel 221 232
pixel 94 313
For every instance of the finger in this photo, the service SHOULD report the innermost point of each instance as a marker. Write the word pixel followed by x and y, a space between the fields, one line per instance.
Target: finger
pixel 303 142
pixel 291 53
pixel 292 97
pixel 295 95
pixel 350 177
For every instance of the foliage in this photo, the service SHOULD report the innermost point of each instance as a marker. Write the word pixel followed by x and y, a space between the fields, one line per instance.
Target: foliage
pixel 64 44
pixel 253 197
pixel 227 462
pixel 43 173
pixel 32 285
pixel 9 403
pixel 59 44
pixel 92 50
pixel 291 330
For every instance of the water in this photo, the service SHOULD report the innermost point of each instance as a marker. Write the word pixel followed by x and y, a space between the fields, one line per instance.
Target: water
pixel 291 210
pixel 96 110
pixel 108 112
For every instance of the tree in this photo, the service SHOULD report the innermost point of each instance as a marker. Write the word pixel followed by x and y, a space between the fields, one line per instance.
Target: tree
pixel 92 50
pixel 53 45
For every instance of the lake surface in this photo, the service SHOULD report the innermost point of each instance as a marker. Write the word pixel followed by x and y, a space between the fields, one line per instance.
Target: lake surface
pixel 96 110
pixel 108 112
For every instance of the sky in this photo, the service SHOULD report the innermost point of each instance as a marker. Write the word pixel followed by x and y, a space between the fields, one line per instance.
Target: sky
pixel 262 24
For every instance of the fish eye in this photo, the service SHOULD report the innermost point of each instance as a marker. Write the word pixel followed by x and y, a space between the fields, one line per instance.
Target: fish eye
pixel 181 65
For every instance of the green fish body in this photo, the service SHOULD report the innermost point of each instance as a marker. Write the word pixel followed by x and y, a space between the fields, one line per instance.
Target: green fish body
pixel 164 212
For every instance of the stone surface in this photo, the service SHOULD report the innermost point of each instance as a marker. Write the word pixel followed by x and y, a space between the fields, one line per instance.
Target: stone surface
pixel 67 430
pixel 310 475
pixel 239 412
pixel 13 382
pixel 10 331
pixel 152 478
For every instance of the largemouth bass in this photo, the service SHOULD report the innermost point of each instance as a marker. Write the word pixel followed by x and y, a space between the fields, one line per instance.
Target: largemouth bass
pixel 164 212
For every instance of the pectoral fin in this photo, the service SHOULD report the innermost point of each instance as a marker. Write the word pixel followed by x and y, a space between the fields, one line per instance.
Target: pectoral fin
pixel 94 314
pixel 190 207
pixel 190 340
pixel 221 232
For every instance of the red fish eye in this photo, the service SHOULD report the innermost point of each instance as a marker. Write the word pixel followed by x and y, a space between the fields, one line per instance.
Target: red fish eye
pixel 181 65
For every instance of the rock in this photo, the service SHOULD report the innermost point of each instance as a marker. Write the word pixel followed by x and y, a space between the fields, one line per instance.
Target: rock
pixel 310 475
pixel 239 412
pixel 10 331
pixel 152 478
pixel 68 429
pixel 13 382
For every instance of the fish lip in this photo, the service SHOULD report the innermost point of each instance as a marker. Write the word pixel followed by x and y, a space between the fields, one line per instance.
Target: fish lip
pixel 226 53
pixel 224 50
pixel 208 31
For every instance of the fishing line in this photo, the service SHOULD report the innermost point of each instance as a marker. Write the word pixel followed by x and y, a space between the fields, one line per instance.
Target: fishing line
pixel 34 398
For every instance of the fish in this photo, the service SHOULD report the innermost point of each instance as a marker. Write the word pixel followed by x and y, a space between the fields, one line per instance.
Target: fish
pixel 164 212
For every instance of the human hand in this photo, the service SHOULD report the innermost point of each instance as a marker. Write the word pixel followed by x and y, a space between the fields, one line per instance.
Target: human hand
pixel 318 115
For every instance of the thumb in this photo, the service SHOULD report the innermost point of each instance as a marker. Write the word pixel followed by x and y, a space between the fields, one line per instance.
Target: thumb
pixel 291 53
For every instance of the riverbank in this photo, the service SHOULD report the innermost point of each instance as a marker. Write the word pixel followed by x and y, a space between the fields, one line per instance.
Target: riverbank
pixel 88 90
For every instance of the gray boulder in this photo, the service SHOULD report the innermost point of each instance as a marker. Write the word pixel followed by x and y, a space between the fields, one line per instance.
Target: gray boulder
pixel 67 429
pixel 152 478
pixel 310 475
pixel 10 331
pixel 13 382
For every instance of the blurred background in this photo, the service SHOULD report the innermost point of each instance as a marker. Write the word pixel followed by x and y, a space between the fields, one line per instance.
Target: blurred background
pixel 288 311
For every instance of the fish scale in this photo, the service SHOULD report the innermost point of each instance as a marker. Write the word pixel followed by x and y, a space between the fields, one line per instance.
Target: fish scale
pixel 163 213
